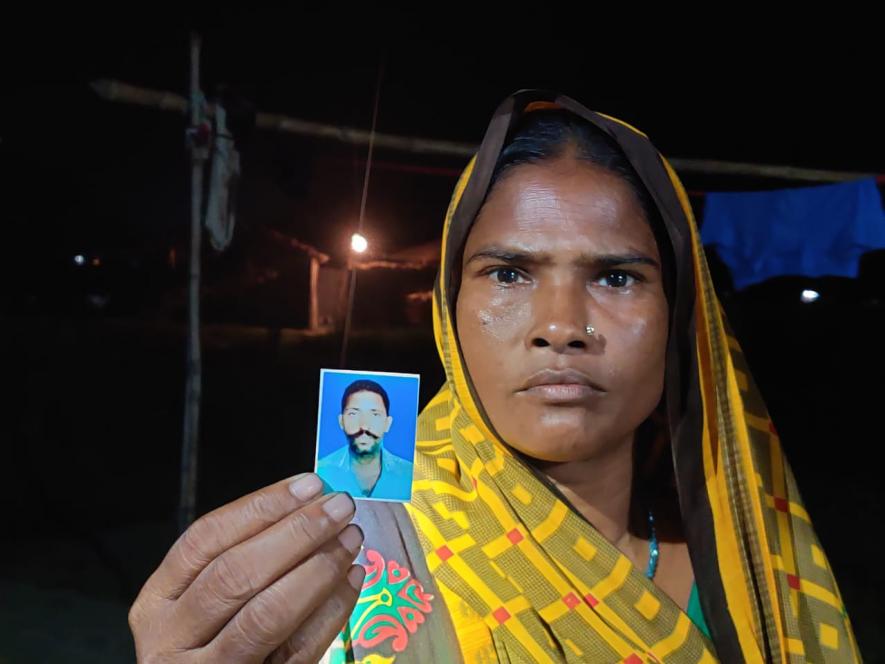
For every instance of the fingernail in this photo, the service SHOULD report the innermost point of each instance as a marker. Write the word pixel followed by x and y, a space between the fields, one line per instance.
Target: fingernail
pixel 340 507
pixel 351 538
pixel 355 576
pixel 306 487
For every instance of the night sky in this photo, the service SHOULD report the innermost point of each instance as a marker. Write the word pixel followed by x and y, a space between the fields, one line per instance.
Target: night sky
pixel 82 174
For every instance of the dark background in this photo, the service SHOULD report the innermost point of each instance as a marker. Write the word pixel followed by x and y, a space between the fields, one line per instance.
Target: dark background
pixel 92 359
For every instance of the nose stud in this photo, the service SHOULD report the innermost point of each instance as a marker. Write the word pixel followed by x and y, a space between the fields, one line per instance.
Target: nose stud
pixel 590 330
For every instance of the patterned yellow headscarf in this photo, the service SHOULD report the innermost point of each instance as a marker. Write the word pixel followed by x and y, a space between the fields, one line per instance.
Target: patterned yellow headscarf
pixel 546 585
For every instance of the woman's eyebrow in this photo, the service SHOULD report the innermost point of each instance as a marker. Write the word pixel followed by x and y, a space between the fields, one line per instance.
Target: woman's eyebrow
pixel 523 257
pixel 610 260
pixel 508 255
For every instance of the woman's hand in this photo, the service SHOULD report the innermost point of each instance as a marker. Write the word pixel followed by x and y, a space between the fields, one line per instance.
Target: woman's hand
pixel 268 577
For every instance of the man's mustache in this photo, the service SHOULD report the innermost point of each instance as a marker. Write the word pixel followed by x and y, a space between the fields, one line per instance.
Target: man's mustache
pixel 359 433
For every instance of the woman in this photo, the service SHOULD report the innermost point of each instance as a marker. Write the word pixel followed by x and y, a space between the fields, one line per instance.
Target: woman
pixel 598 480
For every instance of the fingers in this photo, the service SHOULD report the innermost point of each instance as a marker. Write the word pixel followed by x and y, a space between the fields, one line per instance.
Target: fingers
pixel 273 615
pixel 239 574
pixel 225 527
pixel 313 638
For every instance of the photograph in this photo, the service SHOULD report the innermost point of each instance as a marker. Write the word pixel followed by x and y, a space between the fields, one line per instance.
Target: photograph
pixel 366 425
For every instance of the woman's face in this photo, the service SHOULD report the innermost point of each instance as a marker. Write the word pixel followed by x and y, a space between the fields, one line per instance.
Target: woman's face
pixel 559 246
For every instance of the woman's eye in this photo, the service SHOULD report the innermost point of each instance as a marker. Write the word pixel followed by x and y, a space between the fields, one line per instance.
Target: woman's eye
pixel 617 279
pixel 506 275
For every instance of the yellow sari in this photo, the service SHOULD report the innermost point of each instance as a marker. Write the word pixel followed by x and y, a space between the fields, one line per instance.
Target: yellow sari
pixel 526 579
pixel 490 565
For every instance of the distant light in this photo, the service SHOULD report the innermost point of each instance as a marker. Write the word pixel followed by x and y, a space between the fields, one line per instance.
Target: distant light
pixel 96 262
pixel 79 259
pixel 97 301
pixel 809 296
pixel 358 243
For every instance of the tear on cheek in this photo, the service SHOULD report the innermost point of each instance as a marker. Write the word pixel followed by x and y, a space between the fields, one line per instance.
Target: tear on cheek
pixel 639 327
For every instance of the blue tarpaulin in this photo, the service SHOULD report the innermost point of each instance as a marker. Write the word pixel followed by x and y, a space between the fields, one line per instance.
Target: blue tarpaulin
pixel 810 231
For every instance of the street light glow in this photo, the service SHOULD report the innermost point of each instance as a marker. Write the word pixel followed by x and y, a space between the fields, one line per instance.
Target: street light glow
pixel 358 243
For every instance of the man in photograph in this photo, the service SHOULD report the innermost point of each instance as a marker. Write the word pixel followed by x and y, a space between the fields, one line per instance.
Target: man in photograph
pixel 363 467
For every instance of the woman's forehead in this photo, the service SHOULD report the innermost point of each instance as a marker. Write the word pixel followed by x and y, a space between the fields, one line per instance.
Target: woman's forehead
pixel 558 206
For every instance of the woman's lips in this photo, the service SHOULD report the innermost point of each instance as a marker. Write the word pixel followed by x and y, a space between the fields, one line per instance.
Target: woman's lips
pixel 561 386
pixel 562 392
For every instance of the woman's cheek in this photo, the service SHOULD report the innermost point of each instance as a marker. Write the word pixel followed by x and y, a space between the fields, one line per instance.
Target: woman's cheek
pixel 497 316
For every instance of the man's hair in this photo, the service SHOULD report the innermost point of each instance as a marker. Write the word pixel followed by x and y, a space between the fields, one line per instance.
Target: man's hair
pixel 365 386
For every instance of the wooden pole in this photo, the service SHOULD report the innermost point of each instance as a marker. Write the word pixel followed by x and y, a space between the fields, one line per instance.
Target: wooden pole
pixel 193 385
pixel 348 316
pixel 314 296
pixel 168 101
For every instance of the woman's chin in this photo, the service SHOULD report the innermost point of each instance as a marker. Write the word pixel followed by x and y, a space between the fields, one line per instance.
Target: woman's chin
pixel 556 448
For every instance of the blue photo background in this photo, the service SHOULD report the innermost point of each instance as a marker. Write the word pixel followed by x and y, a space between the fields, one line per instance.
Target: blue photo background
pixel 403 394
